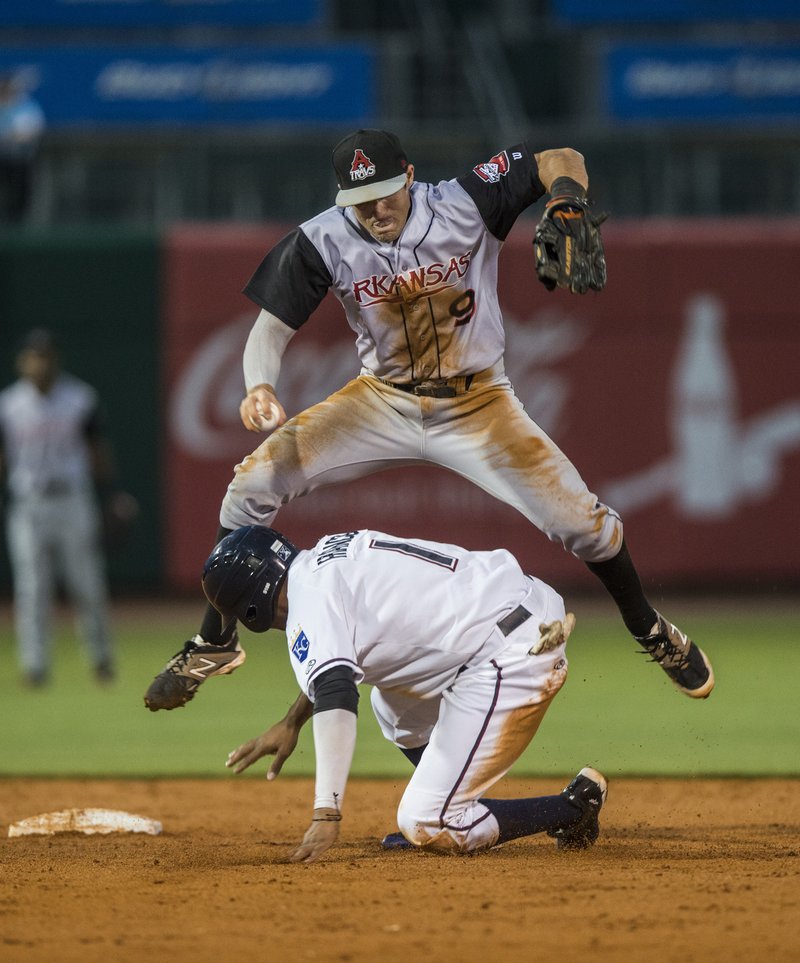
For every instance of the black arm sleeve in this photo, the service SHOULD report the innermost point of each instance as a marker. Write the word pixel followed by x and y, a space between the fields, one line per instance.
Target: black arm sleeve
pixel 291 280
pixel 336 689
pixel 503 187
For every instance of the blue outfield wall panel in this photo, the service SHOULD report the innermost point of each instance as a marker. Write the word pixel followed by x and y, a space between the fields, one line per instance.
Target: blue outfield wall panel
pixel 152 85
pixel 625 12
pixel 749 84
pixel 158 13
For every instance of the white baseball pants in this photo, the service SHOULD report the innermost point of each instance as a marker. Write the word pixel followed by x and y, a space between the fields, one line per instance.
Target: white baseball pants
pixel 475 731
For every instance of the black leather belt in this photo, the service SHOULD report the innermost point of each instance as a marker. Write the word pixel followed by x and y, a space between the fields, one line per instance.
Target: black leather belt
pixel 430 389
pixel 513 620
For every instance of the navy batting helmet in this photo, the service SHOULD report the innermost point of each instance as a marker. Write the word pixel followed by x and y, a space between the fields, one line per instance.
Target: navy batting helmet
pixel 244 572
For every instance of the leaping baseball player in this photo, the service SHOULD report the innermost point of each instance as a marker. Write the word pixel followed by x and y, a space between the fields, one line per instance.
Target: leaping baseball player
pixel 414 266
pixel 464 652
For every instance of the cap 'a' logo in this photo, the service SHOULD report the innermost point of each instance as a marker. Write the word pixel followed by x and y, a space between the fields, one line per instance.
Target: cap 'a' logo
pixel 361 167
pixel 492 170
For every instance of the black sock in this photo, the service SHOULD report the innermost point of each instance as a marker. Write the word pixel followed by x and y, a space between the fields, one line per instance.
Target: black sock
pixel 413 755
pixel 211 626
pixel 622 583
pixel 524 817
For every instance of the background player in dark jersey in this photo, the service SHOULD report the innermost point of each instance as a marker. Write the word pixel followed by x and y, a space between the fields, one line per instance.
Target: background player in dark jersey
pixel 414 266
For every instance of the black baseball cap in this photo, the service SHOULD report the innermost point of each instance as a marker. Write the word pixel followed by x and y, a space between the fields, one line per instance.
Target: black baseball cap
pixel 369 164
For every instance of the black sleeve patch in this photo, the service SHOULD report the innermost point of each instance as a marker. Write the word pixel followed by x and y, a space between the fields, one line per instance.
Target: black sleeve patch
pixel 291 281
pixel 503 187
pixel 336 689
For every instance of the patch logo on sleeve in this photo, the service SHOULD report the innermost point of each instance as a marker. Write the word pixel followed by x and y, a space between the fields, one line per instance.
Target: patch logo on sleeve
pixel 492 170
pixel 300 647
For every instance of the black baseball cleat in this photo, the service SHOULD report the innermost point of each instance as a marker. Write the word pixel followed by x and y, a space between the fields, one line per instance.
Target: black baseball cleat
pixel 683 661
pixel 395 841
pixel 182 675
pixel 587 792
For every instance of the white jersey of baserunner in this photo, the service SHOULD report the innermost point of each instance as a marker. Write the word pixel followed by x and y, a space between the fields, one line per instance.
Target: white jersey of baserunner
pixel 403 614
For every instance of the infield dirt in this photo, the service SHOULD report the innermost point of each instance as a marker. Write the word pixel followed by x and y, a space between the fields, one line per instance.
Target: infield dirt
pixel 684 870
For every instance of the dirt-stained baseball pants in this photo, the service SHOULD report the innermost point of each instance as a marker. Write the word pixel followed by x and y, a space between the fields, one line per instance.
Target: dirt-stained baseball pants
pixel 483 434
pixel 474 732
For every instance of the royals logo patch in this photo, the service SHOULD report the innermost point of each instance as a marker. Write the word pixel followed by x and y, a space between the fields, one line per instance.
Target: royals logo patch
pixel 492 170
pixel 300 648
pixel 361 167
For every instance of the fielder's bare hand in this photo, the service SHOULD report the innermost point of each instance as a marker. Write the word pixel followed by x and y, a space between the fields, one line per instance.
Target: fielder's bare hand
pixel 320 836
pixel 279 741
pixel 260 410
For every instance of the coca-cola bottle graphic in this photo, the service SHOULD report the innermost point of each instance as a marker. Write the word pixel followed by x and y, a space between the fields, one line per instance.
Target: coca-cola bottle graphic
pixel 704 423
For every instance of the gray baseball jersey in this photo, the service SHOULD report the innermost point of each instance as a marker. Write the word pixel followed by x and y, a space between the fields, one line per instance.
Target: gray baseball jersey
pixel 426 305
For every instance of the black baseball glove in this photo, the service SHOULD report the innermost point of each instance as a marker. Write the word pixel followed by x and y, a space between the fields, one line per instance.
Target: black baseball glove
pixel 567 244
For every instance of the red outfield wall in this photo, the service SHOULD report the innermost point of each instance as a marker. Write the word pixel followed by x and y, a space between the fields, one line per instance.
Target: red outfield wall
pixel 676 392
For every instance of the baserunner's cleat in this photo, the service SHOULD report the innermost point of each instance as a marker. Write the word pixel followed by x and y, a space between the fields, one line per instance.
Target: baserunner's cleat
pixel 396 841
pixel 587 793
pixel 182 675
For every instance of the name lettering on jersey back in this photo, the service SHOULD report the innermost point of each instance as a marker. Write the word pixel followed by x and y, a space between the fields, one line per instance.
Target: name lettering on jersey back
pixel 335 547
pixel 422 281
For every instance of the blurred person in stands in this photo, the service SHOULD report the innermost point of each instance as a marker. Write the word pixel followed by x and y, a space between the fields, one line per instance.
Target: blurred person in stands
pixel 22 124
pixel 57 467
